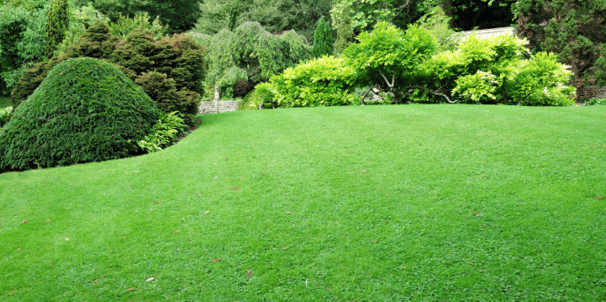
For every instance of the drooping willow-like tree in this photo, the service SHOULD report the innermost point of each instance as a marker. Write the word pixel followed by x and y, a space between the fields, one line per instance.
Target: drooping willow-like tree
pixel 249 53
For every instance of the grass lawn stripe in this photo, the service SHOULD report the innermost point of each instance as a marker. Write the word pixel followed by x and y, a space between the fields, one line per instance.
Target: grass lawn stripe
pixel 458 202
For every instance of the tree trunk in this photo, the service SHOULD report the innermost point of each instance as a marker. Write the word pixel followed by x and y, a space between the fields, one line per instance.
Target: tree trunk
pixel 447 8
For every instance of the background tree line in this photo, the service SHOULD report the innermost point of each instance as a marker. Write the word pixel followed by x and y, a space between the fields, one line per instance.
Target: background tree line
pixel 573 29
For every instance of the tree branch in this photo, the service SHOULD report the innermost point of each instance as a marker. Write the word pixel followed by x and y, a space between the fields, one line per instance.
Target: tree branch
pixel 387 81
pixel 435 93
pixel 365 93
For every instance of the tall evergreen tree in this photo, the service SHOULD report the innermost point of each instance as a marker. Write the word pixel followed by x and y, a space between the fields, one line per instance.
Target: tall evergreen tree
pixel 58 24
pixel 341 20
pixel 323 40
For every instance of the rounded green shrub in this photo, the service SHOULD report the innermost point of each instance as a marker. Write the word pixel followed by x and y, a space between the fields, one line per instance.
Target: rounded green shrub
pixel 85 110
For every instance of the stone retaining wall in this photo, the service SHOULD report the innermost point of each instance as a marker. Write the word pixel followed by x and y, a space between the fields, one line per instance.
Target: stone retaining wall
pixel 591 92
pixel 217 107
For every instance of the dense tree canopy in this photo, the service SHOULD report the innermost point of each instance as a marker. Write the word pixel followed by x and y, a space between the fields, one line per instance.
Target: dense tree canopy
pixel 573 29
pixel 274 16
pixel 481 14
pixel 22 39
pixel 180 15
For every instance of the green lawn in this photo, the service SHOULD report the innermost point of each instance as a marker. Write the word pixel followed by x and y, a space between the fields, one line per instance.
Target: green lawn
pixel 373 203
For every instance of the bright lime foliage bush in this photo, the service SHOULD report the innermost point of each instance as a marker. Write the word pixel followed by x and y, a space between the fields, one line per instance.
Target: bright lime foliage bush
pixel 387 57
pixel 541 81
pixel 495 70
pixel 477 87
pixel 495 56
pixel 406 66
pixel 85 110
pixel 326 81
pixel 262 96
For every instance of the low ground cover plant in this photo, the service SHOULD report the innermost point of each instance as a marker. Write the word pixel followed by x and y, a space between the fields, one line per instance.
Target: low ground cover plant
pixel 596 101
pixel 168 128
pixel 5 115
pixel 85 110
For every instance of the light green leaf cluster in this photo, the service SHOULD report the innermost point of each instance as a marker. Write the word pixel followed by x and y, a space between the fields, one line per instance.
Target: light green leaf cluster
pixel 541 81
pixel 387 57
pixel 498 69
pixel 124 25
pixel 263 95
pixel 477 87
pixel 326 81
pixel 437 23
pixel 165 131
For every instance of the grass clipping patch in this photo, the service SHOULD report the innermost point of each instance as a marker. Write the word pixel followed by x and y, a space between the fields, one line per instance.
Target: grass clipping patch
pixel 85 110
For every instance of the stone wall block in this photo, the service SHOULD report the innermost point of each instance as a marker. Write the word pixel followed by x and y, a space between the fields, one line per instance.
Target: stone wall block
pixel 217 107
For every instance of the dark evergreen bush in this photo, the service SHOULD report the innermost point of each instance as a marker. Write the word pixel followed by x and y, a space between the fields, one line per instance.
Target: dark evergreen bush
pixel 178 58
pixel 242 88
pixel 31 79
pixel 96 42
pixel 164 92
pixel 85 110
pixel 170 70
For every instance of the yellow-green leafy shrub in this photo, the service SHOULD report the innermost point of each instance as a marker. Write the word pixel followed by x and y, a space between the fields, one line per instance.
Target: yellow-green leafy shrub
pixel 327 81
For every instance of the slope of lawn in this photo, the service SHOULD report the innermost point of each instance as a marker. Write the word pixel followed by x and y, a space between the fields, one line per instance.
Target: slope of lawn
pixel 373 203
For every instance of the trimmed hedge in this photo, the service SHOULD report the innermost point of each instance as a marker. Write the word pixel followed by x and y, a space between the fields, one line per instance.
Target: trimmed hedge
pixel 86 110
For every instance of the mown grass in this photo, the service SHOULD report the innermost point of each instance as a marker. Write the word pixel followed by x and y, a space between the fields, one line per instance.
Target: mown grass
pixel 373 203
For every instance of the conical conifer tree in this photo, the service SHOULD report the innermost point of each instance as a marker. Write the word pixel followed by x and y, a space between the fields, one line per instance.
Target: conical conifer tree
pixel 323 41
pixel 58 24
